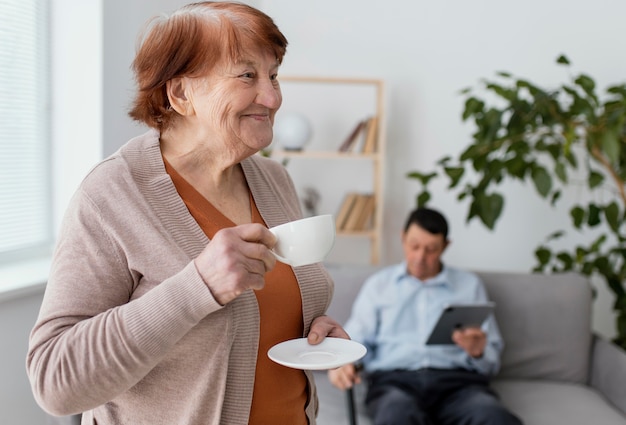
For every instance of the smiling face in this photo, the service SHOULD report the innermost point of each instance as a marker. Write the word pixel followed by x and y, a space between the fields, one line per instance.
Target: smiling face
pixel 423 251
pixel 228 112
pixel 190 42
pixel 233 106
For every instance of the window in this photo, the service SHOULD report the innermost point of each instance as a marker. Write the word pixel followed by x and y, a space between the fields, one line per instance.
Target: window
pixel 25 171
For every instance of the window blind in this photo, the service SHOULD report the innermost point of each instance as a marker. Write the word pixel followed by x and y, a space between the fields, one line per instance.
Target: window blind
pixel 25 170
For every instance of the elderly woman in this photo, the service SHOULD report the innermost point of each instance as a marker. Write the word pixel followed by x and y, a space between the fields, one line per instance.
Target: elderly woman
pixel 164 297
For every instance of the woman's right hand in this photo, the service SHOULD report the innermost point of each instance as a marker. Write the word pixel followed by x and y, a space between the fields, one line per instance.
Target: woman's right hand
pixel 344 377
pixel 235 260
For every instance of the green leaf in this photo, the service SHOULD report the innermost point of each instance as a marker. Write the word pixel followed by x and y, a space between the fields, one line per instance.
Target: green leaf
pixel 588 85
pixel 566 259
pixel 578 216
pixel 580 105
pixel 562 59
pixel 423 178
pixel 561 172
pixel 504 74
pixel 503 92
pixel 543 255
pixel 455 174
pixel 493 172
pixel 473 106
pixel 555 151
pixel 555 235
pixel 571 158
pixel 619 89
pixel 491 124
pixel 488 208
pixel 611 212
pixel 517 121
pixel 556 195
pixel 616 286
pixel 593 219
pixel 470 152
pixel 611 146
pixel 533 90
pixel 444 160
pixel 517 166
pixel 602 264
pixel 581 252
pixel 422 199
pixel 595 247
pixel 595 179
pixel 587 269
pixel 542 180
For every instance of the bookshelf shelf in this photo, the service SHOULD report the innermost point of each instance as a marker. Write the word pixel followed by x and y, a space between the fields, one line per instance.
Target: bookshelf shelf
pixel 365 143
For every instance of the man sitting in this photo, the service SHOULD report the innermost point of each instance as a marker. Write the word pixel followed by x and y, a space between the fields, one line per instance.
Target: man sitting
pixel 410 382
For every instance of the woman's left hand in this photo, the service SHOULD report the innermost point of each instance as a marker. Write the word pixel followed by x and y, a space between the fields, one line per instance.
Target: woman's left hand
pixel 324 326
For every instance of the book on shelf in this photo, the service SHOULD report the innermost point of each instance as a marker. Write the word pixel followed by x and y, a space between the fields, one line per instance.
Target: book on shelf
pixel 355 212
pixel 350 141
pixel 344 209
pixel 359 142
pixel 363 138
pixel 366 215
pixel 360 213
pixel 371 136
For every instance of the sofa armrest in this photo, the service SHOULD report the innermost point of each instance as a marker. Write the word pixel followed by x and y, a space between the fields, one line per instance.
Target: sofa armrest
pixel 608 371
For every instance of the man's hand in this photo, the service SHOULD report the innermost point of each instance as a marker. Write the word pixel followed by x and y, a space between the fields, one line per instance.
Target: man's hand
pixel 472 340
pixel 344 377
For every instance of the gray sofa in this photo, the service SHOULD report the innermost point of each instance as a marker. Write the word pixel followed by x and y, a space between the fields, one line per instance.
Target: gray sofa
pixel 554 369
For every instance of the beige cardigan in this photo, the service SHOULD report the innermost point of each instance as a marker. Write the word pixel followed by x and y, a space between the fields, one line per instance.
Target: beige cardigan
pixel 128 332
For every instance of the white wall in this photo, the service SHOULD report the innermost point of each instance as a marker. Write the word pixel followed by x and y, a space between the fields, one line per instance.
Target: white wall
pixel 426 52
pixel 76 42
pixel 123 21
pixel 17 317
pixel 76 62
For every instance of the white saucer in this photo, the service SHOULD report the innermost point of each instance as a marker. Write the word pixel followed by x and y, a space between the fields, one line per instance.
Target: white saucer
pixel 329 354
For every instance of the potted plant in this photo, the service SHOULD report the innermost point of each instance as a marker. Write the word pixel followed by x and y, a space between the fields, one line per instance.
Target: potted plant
pixel 545 136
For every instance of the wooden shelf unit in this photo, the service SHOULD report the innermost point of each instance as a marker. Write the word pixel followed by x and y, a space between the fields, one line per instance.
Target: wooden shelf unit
pixel 376 158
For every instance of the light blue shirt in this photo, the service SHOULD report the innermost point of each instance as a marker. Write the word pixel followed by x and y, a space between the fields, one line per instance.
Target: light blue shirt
pixel 395 312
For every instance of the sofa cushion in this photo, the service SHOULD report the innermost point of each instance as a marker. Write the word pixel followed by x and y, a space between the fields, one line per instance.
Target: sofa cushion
pixel 536 402
pixel 608 371
pixel 545 321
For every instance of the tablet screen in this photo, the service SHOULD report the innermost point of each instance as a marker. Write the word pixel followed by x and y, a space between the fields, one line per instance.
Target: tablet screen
pixel 458 316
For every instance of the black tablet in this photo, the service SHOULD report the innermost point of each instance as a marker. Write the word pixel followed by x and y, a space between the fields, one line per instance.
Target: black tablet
pixel 457 316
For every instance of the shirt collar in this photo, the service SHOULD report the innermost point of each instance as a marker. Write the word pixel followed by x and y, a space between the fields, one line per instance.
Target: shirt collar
pixel 440 279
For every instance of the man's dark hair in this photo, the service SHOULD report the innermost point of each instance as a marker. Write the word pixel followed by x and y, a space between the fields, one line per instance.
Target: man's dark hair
pixel 428 219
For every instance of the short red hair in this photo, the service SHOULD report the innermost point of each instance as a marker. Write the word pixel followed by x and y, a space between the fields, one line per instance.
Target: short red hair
pixel 191 42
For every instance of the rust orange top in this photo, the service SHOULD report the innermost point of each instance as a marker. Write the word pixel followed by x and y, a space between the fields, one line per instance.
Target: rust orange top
pixel 280 393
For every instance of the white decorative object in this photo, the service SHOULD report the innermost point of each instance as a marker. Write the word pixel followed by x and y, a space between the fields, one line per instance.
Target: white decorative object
pixel 292 131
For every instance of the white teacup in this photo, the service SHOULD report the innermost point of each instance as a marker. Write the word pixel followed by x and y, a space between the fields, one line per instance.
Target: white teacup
pixel 304 241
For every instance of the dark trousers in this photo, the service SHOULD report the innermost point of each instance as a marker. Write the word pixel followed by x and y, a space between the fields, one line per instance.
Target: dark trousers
pixel 434 397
